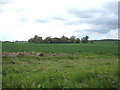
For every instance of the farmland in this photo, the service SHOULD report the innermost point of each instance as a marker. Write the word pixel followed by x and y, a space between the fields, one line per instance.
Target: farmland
pixel 61 66
pixel 97 47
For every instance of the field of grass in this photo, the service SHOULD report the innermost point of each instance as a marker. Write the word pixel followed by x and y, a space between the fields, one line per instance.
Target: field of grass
pixel 109 47
pixel 89 66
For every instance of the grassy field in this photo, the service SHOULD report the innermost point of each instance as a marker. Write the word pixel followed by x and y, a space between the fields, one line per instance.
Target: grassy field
pixel 82 66
pixel 98 47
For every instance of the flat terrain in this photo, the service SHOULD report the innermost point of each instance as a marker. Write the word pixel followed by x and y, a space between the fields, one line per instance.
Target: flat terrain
pixel 110 47
pixel 61 66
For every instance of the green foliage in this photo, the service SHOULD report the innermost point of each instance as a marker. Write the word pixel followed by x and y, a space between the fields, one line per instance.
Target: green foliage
pixel 61 72
pixel 48 40
pixel 72 39
pixel 36 39
pixel 98 47
pixel 77 40
pixel 85 39
pixel 82 66
pixel 63 39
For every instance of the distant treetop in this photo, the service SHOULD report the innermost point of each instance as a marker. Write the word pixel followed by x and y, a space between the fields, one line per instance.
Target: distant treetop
pixel 63 39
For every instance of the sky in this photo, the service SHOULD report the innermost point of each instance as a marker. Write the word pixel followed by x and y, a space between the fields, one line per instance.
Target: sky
pixel 22 19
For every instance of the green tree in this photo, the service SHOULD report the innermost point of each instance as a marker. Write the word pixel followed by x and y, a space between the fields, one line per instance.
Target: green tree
pixel 48 40
pixel 55 40
pixel 36 39
pixel 72 39
pixel 85 39
pixel 77 40
pixel 64 39
pixel 31 40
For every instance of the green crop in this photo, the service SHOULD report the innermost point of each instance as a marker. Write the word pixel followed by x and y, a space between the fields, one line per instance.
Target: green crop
pixel 76 66
pixel 98 47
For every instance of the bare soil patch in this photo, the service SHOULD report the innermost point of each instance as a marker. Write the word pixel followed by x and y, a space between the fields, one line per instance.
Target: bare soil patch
pixel 22 54
pixel 33 54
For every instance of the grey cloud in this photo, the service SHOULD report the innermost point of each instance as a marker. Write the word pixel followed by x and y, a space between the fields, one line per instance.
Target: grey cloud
pixel 119 8
pixel 97 30
pixel 111 7
pixel 71 23
pixel 39 20
pixel 23 20
pixel 3 2
pixel 119 15
pixel 107 8
pixel 1 10
pixel 106 17
pixel 89 13
pixel 106 21
pixel 42 20
pixel 100 30
pixel 59 18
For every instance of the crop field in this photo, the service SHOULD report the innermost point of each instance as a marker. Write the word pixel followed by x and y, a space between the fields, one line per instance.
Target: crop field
pixel 61 65
pixel 98 47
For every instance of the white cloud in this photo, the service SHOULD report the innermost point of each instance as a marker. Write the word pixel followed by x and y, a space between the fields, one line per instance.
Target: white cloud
pixel 18 19
pixel 111 34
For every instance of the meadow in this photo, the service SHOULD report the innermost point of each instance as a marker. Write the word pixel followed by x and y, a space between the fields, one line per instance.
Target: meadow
pixel 78 66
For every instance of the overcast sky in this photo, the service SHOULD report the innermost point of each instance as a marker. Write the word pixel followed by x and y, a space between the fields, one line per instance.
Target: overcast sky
pixel 22 19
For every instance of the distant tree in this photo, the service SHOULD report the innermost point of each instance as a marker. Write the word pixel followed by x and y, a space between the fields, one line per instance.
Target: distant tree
pixel 55 40
pixel 16 41
pixel 36 39
pixel 72 39
pixel 77 40
pixel 30 40
pixel 48 40
pixel 36 36
pixel 64 39
pixel 85 39
pixel 58 40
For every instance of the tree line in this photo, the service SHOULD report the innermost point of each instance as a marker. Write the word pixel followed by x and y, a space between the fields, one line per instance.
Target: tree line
pixel 63 39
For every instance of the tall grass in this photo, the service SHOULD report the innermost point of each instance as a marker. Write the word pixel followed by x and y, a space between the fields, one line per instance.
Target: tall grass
pixel 90 66
pixel 83 72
